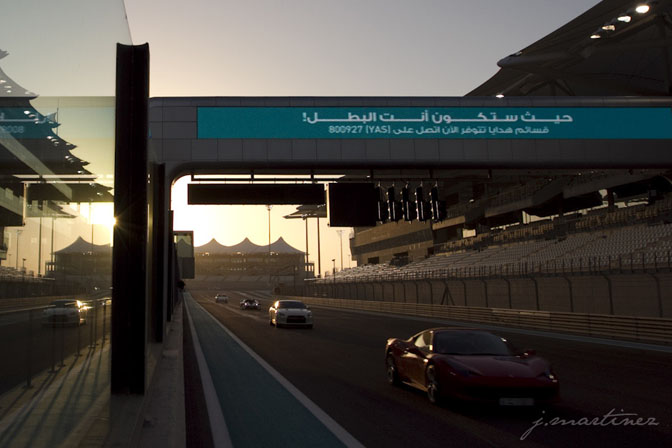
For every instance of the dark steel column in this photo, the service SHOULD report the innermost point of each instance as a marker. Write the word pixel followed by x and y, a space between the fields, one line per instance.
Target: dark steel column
pixel 157 234
pixel 129 271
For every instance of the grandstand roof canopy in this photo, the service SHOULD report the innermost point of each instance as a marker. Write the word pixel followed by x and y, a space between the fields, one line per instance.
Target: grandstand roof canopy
pixel 280 246
pixel 609 50
pixel 80 246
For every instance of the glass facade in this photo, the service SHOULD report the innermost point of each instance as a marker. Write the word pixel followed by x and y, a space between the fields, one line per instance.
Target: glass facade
pixel 57 86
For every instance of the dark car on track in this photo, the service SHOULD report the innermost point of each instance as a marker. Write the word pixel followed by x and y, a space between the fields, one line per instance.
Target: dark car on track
pixel 470 365
pixel 249 304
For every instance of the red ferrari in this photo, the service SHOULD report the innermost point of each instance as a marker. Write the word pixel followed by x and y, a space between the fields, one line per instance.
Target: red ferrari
pixel 470 365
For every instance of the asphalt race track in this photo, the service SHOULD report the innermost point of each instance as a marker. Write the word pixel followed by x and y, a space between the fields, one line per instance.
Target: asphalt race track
pixel 339 365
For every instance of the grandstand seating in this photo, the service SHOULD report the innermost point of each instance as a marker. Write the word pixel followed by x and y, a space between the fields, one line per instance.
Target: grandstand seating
pixel 8 273
pixel 600 240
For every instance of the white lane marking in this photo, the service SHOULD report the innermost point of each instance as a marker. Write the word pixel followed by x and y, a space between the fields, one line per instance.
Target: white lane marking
pixel 259 315
pixel 250 314
pixel 220 431
pixel 344 436
pixel 260 295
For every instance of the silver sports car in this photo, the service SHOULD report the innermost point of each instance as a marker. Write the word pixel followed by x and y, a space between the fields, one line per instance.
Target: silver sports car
pixel 290 313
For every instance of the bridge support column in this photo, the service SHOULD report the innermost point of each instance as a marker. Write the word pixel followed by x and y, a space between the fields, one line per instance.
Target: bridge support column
pixel 129 271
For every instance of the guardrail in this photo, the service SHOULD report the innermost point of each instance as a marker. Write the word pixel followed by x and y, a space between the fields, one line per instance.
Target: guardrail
pixel 20 303
pixel 641 329
pixel 23 303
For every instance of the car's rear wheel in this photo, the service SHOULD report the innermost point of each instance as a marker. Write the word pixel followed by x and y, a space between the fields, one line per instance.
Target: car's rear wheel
pixel 391 371
pixel 432 385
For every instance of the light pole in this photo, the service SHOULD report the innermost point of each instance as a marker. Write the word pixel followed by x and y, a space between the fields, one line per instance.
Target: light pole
pixel 269 207
pixel 53 224
pixel 18 234
pixel 305 218
pixel 39 249
pixel 340 242
pixel 319 256
pixel 91 221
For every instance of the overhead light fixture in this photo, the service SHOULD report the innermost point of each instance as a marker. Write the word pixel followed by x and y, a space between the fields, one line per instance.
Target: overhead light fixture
pixel 624 18
pixel 642 9
pixel 500 95
pixel 609 27
pixel 595 36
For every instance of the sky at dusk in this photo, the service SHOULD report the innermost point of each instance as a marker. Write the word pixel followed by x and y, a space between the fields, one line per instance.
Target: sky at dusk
pixel 334 48
pixel 259 48
pixel 325 48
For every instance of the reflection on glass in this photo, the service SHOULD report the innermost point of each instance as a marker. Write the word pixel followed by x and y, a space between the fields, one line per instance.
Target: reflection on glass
pixel 47 182
pixel 57 81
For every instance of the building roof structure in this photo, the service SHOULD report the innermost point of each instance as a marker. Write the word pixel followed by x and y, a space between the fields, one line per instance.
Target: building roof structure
pixel 212 247
pixel 32 152
pixel 613 49
pixel 81 246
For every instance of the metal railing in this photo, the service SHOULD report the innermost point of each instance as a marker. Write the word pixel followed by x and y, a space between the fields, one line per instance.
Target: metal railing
pixel 631 263
pixel 39 345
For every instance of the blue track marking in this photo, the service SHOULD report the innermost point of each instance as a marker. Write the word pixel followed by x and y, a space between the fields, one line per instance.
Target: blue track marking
pixel 259 406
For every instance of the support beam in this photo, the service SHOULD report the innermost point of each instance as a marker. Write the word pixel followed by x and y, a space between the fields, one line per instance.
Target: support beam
pixel 129 279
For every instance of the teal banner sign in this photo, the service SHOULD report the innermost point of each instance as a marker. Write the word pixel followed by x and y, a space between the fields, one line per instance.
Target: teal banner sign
pixel 443 123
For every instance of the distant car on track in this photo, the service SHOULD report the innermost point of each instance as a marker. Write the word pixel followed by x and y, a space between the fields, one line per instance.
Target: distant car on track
pixel 470 365
pixel 65 312
pixel 290 313
pixel 221 298
pixel 249 304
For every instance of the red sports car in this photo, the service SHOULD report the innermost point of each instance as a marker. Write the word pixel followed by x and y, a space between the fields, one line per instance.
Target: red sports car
pixel 470 365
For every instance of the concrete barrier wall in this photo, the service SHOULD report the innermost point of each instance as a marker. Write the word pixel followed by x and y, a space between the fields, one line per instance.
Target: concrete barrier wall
pixel 641 294
pixel 637 294
pixel 554 294
pixel 643 329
